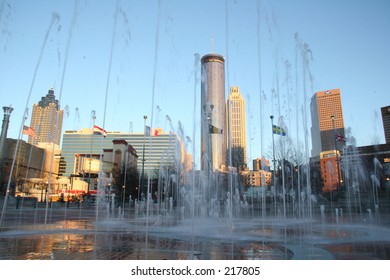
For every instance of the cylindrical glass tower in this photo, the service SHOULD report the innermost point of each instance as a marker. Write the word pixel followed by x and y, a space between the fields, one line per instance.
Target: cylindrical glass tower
pixel 213 113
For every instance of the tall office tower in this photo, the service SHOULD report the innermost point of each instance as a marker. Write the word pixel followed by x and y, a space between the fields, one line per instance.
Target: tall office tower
pixel 327 121
pixel 213 113
pixel 46 120
pixel 386 122
pixel 236 123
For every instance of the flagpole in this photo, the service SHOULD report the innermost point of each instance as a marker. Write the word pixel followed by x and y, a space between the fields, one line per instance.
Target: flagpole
pixel 273 155
pixel 29 159
pixel 90 155
pixel 210 130
pixel 143 161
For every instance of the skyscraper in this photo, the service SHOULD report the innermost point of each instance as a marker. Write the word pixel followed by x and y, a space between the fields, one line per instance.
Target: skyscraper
pixel 327 121
pixel 213 113
pixel 386 122
pixel 327 133
pixel 46 120
pixel 236 117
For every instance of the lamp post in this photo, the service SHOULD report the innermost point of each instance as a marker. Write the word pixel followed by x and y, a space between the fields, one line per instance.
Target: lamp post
pixel 337 165
pixel 124 179
pixel 93 113
pixel 273 156
pixel 3 137
pixel 336 151
pixel 4 128
pixel 41 185
pixel 143 160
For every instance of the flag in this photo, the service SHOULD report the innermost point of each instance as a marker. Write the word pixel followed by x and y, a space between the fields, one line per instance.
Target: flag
pixel 28 131
pixel 147 131
pixel 156 131
pixel 278 130
pixel 339 137
pixel 99 130
pixel 215 130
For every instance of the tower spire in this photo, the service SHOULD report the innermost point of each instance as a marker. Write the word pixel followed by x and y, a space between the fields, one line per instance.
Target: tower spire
pixel 212 43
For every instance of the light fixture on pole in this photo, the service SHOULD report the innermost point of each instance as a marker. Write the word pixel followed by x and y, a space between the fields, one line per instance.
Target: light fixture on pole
pixel 3 137
pixel 336 151
pixel 124 179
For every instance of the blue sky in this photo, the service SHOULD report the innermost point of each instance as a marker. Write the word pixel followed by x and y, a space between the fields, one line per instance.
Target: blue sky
pixel 143 62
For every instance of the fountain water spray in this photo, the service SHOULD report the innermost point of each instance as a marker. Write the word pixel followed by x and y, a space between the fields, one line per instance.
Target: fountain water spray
pixel 54 20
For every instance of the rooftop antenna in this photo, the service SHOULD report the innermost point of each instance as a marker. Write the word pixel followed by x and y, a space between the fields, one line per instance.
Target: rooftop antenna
pixel 212 43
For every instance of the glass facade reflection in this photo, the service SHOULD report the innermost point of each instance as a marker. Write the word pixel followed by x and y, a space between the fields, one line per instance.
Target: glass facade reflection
pixel 158 149
pixel 213 113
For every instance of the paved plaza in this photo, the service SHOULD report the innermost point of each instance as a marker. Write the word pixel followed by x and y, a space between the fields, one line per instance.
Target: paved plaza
pixel 61 233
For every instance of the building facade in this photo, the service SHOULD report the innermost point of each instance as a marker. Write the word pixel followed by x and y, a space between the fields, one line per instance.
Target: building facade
pixel 260 176
pixel 367 170
pixel 327 121
pixel 330 167
pixel 261 164
pixel 46 120
pixel 236 136
pixel 35 173
pixel 386 122
pixel 328 138
pixel 164 149
pixel 213 113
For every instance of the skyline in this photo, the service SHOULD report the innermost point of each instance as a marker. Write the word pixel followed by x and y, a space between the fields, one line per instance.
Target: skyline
pixel 146 62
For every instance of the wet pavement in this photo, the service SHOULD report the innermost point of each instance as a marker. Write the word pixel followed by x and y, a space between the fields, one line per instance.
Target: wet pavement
pixel 73 234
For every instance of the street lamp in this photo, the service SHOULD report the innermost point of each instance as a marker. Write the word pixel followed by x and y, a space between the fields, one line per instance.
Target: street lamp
pixel 124 180
pixel 3 137
pixel 123 200
pixel 336 151
pixel 337 165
